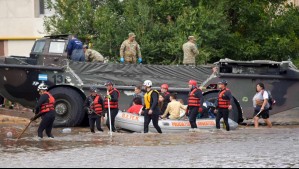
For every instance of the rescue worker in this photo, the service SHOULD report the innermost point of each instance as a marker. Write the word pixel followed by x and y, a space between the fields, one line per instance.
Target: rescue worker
pixel 190 52
pixel 224 104
pixel 45 109
pixel 94 105
pixel 261 105
pixel 113 95
pixel 166 97
pixel 129 50
pixel 75 49
pixel 92 55
pixel 195 104
pixel 151 109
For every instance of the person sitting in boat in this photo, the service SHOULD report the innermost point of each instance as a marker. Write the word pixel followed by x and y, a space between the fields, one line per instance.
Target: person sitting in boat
pixel 137 106
pixel 173 110
pixel 183 111
pixel 161 102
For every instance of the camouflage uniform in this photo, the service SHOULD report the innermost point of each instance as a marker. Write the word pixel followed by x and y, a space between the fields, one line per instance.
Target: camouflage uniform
pixel 93 56
pixel 190 53
pixel 129 51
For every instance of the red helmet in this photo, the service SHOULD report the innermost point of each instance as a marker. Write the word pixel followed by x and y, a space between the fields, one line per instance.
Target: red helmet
pixel 193 82
pixel 165 86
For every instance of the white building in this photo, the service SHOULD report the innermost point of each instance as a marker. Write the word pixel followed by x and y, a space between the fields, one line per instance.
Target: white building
pixel 21 23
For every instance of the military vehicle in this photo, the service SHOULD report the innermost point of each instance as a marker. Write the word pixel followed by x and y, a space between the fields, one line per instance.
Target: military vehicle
pixel 69 81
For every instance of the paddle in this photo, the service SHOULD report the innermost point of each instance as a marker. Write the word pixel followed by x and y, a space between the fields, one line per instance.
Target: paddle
pixel 24 130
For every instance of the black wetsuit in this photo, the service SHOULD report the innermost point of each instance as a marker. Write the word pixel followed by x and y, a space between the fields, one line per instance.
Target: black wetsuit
pixel 194 111
pixel 114 98
pixel 224 113
pixel 154 116
pixel 94 118
pixel 48 118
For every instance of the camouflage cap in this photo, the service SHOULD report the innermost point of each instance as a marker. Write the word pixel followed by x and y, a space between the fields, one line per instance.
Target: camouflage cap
pixel 132 34
pixel 191 38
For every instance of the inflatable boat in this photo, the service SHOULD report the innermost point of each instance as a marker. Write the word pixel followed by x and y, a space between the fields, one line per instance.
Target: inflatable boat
pixel 135 123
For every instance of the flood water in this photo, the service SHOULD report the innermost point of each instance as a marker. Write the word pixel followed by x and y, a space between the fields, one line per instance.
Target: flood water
pixel 245 147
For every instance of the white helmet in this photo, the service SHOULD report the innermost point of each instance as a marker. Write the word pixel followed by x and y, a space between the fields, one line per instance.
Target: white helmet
pixel 148 83
pixel 42 87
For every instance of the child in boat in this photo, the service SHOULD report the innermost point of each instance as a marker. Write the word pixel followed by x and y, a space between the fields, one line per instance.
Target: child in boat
pixel 137 106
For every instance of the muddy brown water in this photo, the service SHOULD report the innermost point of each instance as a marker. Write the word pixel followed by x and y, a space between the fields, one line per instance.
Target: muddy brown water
pixel 245 147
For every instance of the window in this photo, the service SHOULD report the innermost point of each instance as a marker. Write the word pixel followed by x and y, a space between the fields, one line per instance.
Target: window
pixel 57 47
pixel 39 46
pixel 41 7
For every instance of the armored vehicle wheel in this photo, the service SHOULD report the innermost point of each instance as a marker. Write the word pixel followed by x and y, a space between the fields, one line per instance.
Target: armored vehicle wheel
pixel 235 114
pixel 68 106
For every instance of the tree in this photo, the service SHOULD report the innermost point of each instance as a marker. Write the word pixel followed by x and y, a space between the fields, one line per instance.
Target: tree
pixel 241 30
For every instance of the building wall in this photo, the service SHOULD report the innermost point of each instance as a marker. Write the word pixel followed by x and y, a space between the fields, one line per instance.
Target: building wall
pixel 295 2
pixel 21 23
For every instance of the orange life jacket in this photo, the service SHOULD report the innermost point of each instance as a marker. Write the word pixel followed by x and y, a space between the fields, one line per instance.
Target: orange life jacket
pixel 97 107
pixel 47 107
pixel 113 105
pixel 194 101
pixel 223 103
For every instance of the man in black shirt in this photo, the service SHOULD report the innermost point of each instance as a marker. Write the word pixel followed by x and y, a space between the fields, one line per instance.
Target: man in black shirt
pixel 45 109
pixel 94 105
pixel 195 103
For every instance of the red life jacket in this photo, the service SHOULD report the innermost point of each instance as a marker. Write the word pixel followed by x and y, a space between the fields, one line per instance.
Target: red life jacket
pixel 113 105
pixel 194 101
pixel 47 107
pixel 223 103
pixel 97 107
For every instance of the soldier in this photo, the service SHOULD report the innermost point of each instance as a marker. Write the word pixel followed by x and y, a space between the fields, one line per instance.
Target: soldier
pixel 151 108
pixel 94 105
pixel 129 50
pixel 75 49
pixel 113 95
pixel 92 55
pixel 190 52
pixel 195 104
pixel 224 104
pixel 45 109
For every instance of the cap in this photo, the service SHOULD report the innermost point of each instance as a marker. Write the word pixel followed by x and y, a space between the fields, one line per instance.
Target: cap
pixel 191 38
pixel 223 82
pixel 132 34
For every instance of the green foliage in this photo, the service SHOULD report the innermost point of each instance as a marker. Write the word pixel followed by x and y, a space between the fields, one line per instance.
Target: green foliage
pixel 238 29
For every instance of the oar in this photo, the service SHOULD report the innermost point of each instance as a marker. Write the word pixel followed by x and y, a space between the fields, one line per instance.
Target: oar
pixel 24 130
pixel 259 113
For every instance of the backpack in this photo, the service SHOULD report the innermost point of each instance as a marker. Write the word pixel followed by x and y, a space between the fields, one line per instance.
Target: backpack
pixel 271 100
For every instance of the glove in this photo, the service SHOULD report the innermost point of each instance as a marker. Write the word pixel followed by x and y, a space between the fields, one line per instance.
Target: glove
pixel 33 118
pixel 200 110
pixel 122 60
pixel 140 60
pixel 109 97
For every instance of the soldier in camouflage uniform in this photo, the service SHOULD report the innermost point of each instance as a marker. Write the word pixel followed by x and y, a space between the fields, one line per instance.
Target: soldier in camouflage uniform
pixel 92 55
pixel 190 52
pixel 129 50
